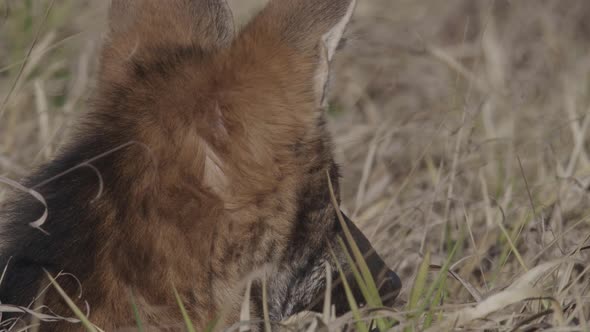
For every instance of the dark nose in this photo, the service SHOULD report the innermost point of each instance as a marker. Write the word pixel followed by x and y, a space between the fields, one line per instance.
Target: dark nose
pixel 390 287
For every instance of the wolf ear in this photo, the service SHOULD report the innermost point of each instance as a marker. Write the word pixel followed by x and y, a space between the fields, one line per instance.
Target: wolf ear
pixel 162 23
pixel 312 26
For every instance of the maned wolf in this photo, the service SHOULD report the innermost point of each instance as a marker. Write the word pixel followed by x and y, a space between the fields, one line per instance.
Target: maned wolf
pixel 205 159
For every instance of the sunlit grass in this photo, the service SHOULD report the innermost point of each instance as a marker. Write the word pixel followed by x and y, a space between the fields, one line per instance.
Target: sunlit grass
pixel 453 103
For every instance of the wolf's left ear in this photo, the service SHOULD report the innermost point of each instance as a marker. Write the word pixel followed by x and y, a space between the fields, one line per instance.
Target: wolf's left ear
pixel 141 29
pixel 137 27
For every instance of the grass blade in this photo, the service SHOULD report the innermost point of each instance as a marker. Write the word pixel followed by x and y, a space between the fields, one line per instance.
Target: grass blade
pixel 265 306
pixel 83 319
pixel 136 314
pixel 419 288
pixel 442 276
pixel 364 279
pixel 327 316
pixel 419 283
pixel 212 325
pixel 438 298
pixel 245 310
pixel 361 326
pixel 355 272
pixel 370 297
pixel 185 316
pixel 359 258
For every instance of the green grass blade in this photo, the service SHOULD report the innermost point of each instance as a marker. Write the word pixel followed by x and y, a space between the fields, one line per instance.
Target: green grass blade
pixel 506 247
pixel 367 282
pixel 418 289
pixel 136 314
pixel 359 258
pixel 440 279
pixel 512 245
pixel 83 319
pixel 212 325
pixel 187 320
pixel 372 299
pixel 438 297
pixel 355 272
pixel 361 326
pixel 419 283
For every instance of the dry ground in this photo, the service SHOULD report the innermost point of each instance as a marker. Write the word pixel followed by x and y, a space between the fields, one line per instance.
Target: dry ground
pixel 457 122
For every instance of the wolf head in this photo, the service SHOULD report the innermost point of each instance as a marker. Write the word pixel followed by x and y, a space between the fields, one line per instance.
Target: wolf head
pixel 205 159
pixel 256 100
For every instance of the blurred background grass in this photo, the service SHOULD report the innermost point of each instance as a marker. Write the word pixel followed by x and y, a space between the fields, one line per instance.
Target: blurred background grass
pixel 453 120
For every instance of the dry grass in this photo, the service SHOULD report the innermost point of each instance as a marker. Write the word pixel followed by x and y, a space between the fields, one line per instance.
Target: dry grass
pixel 460 124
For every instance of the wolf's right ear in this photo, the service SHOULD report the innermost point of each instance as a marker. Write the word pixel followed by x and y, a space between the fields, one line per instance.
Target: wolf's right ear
pixel 305 22
pixel 313 27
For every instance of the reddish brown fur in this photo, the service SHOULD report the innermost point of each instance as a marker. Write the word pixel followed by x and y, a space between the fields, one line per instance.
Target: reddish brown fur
pixel 259 95
pixel 220 140
pixel 261 100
